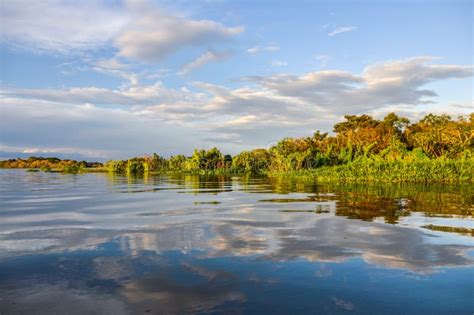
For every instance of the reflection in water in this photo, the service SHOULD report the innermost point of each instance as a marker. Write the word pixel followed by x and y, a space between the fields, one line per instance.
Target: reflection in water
pixel 452 229
pixel 209 290
pixel 99 243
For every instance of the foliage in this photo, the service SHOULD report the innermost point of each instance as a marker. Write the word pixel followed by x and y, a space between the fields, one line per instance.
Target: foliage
pixel 116 166
pixel 362 148
pixel 50 164
pixel 155 163
pixel 206 160
pixel 424 170
pixel 177 162
pixel 255 161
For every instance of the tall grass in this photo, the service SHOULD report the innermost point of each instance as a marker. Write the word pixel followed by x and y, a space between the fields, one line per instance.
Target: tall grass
pixel 369 170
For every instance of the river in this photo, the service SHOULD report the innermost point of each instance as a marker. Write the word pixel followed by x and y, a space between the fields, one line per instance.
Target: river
pixel 108 244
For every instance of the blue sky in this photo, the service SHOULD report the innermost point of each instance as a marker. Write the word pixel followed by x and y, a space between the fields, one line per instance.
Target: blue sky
pixel 114 79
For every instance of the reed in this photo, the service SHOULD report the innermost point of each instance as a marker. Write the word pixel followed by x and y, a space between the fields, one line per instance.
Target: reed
pixel 397 171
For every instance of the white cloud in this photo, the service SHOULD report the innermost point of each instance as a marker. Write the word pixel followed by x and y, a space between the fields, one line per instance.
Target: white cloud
pixel 135 95
pixel 155 34
pixel 323 60
pixel 294 105
pixel 62 128
pixel 60 26
pixel 258 49
pixel 208 57
pixel 270 108
pixel 139 30
pixel 342 29
pixel 382 84
pixel 110 64
pixel 112 67
pixel 279 63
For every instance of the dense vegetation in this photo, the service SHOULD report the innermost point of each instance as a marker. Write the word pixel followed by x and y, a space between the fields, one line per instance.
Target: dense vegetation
pixel 436 148
pixel 50 164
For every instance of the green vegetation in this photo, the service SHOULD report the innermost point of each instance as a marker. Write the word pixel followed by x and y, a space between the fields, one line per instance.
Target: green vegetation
pixel 435 149
pixel 403 170
pixel 202 161
pixel 33 164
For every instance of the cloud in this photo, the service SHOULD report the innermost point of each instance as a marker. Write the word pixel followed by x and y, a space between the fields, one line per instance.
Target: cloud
pixel 135 95
pixel 323 60
pixel 395 82
pixel 208 57
pixel 60 26
pixel 258 49
pixel 110 64
pixel 260 111
pixel 279 63
pixel 155 34
pixel 138 30
pixel 61 151
pixel 287 105
pixel 342 29
pixel 58 128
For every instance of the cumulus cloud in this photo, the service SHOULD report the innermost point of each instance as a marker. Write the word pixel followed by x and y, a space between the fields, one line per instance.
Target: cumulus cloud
pixel 208 57
pixel 388 83
pixel 155 34
pixel 137 29
pixel 58 128
pixel 285 104
pixel 342 29
pixel 263 109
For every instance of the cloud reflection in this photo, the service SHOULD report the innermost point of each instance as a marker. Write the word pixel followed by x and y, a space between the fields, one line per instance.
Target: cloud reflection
pixel 142 245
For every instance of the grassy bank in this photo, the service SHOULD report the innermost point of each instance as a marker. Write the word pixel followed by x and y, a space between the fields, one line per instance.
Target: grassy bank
pixel 359 171
pixel 398 171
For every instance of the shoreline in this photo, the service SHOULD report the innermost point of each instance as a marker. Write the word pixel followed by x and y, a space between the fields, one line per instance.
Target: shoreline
pixel 359 171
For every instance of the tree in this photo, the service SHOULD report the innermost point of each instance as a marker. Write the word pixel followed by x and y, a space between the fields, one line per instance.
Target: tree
pixel 156 163
pixel 254 161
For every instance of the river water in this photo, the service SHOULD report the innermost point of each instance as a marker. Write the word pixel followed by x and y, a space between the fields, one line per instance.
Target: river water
pixel 103 244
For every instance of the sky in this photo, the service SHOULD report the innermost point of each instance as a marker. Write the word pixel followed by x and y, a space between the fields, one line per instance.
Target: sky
pixel 114 79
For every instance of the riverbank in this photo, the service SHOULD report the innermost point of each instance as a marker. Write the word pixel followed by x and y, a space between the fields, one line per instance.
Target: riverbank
pixel 362 149
pixel 398 171
pixel 359 171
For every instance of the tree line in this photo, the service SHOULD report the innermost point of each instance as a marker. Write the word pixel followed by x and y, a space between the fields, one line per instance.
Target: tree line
pixel 357 143
pixel 50 164
pixel 357 138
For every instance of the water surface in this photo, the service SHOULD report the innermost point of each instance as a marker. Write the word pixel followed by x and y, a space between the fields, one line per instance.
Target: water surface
pixel 103 244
